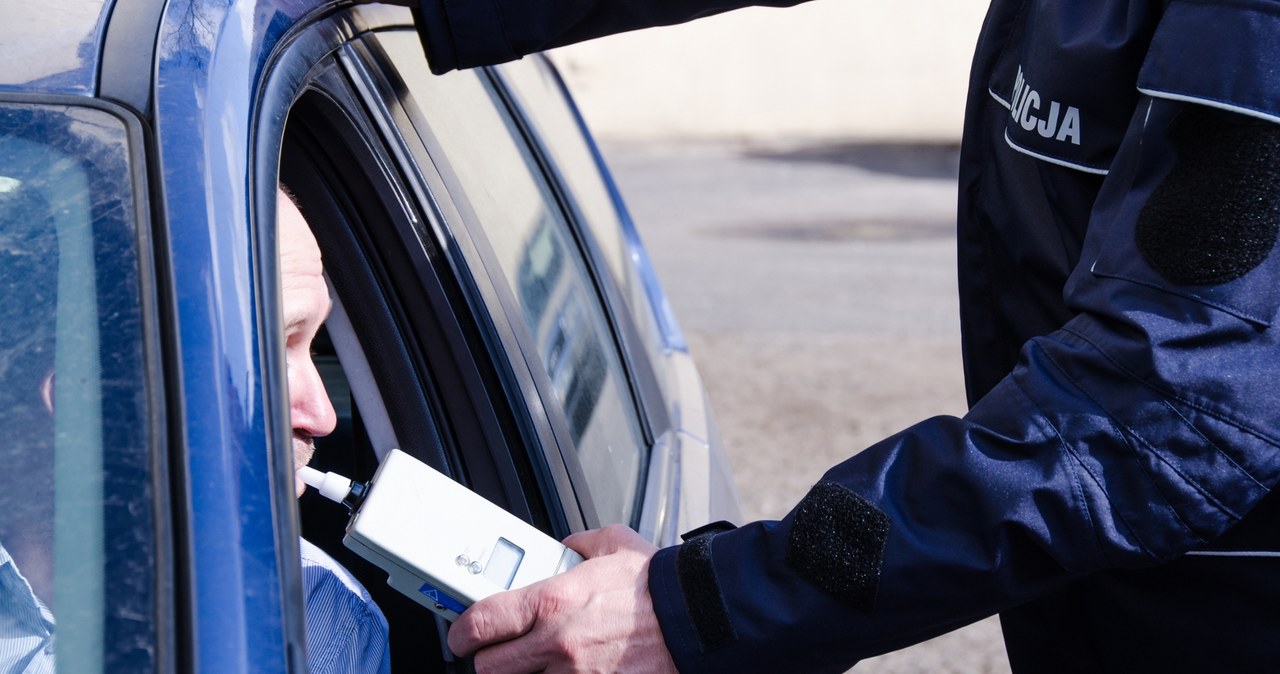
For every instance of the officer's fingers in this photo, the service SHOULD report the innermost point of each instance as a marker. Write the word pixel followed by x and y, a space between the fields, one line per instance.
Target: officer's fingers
pixel 536 651
pixel 520 630
pixel 511 657
pixel 606 541
pixel 527 619
pixel 596 617
pixel 497 618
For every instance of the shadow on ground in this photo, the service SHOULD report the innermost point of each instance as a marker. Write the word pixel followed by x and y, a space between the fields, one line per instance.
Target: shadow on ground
pixel 837 230
pixel 908 160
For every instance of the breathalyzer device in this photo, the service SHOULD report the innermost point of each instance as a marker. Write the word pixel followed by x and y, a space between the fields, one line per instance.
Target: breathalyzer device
pixel 441 544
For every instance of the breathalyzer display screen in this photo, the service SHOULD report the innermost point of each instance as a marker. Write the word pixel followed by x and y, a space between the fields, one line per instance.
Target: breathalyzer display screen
pixel 501 569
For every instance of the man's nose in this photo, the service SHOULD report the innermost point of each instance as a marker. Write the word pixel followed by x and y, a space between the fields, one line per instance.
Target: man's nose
pixel 311 410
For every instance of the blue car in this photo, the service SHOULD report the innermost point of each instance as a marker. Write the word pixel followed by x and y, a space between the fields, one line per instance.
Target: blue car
pixel 494 315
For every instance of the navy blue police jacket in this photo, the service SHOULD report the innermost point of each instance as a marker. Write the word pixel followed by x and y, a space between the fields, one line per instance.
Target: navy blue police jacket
pixel 1107 492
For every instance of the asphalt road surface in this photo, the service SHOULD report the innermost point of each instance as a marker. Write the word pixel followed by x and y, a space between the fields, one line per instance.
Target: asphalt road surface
pixel 816 287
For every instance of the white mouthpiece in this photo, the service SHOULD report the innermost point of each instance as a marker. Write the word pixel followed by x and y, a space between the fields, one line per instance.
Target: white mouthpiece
pixel 330 485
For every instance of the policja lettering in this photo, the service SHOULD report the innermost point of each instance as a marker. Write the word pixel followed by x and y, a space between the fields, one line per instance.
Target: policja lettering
pixel 1027 101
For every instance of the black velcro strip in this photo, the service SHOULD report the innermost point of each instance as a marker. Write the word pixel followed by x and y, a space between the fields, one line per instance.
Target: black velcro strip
pixel 717 527
pixel 697 577
pixel 1215 217
pixel 837 543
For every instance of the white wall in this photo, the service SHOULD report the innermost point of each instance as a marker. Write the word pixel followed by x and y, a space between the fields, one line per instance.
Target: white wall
pixel 848 69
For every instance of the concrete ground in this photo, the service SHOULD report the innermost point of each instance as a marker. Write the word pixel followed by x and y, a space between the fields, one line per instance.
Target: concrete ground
pixel 816 287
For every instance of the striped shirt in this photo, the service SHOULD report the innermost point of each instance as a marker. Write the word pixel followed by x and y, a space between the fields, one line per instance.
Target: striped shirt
pixel 346 633
pixel 26 625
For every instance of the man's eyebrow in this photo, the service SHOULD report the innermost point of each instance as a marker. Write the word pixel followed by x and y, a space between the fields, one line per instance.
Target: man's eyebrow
pixel 298 320
pixel 294 322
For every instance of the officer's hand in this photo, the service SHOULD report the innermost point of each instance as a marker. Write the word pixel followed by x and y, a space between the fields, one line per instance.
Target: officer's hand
pixel 595 617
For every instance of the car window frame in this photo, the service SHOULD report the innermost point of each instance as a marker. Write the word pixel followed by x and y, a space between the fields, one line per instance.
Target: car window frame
pixel 432 181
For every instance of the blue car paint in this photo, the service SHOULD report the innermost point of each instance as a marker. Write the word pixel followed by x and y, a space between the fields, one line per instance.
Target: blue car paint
pixel 211 58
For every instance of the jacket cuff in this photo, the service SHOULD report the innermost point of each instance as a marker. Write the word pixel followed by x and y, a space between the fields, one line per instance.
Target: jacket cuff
pixel 459 34
pixel 670 608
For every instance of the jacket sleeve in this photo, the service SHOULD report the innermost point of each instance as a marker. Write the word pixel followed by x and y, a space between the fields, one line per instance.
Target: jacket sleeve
pixel 468 33
pixel 1144 428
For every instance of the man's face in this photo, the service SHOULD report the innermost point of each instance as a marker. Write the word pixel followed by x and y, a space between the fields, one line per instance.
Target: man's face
pixel 306 306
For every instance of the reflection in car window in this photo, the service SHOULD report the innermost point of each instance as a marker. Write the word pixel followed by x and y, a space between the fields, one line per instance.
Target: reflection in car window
pixel 75 514
pixel 536 86
pixel 545 270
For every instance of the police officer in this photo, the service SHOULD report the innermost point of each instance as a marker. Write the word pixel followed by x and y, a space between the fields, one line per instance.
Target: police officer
pixel 1107 493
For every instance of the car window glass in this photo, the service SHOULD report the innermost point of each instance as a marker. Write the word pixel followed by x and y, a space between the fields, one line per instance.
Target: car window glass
pixel 542 264
pixel 540 94
pixel 75 495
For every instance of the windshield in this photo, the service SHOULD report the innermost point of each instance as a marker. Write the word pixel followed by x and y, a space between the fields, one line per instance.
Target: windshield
pixel 77 530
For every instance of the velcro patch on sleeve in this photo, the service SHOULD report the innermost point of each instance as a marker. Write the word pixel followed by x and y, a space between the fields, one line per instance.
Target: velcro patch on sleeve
pixel 702 595
pixel 1216 215
pixel 837 543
